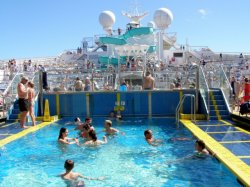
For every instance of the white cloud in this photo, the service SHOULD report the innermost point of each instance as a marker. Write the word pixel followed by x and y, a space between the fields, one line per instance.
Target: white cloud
pixel 203 12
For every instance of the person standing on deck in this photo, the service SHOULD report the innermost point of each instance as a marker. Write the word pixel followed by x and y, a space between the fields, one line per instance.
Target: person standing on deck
pixel 22 100
pixel 31 100
pixel 148 82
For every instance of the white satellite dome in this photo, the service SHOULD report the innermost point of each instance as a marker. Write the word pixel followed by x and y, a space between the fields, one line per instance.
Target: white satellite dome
pixel 151 24
pixel 163 17
pixel 107 19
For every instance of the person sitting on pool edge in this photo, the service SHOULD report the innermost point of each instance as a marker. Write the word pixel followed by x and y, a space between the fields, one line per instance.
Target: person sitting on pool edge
pixel 94 141
pixel 71 178
pixel 108 129
pixel 149 138
pixel 200 147
pixel 62 138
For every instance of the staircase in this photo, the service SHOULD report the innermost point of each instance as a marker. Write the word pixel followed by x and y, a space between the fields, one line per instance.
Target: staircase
pixel 14 113
pixel 218 108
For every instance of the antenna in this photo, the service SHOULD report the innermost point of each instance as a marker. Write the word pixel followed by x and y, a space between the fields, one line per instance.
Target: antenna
pixel 134 15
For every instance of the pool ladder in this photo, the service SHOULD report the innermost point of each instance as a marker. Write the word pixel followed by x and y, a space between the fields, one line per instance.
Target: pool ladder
pixel 193 109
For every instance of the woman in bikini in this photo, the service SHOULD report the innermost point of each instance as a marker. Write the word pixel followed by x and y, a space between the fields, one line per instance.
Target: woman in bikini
pixel 63 137
pixel 31 100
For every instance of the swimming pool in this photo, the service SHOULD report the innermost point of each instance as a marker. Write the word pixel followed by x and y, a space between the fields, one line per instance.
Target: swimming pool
pixel 126 160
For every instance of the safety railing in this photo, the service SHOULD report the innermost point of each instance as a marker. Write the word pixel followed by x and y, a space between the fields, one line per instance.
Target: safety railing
pixel 193 108
pixel 204 90
pixel 225 87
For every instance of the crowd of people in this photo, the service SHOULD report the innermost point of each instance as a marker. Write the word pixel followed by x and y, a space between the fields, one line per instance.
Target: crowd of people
pixel 87 136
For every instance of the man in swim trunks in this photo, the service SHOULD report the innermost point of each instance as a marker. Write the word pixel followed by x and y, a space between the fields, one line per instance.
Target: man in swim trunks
pixel 148 82
pixel 23 100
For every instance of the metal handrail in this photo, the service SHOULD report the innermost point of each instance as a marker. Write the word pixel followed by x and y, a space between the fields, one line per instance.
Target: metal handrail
pixel 10 83
pixel 207 105
pixel 193 108
pixel 229 86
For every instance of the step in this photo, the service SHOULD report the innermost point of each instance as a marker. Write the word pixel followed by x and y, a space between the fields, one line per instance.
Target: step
pixel 217 97
pixel 221 112
pixel 213 118
pixel 216 118
pixel 13 116
pixel 218 102
pixel 16 106
pixel 216 92
pixel 15 111
pixel 219 107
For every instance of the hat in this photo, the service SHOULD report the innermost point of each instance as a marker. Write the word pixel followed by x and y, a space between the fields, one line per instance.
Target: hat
pixel 87 78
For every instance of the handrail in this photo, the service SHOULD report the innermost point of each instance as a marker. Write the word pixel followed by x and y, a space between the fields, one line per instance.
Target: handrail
pixel 229 86
pixel 207 106
pixel 10 83
pixel 227 81
pixel 193 109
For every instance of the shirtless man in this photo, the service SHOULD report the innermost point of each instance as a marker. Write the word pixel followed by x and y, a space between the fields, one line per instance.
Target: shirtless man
pixel 72 178
pixel 108 129
pixel 148 82
pixel 23 100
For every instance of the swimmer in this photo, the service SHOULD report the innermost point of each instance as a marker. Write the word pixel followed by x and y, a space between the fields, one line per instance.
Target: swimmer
pixel 62 138
pixel 108 129
pixel 200 147
pixel 77 121
pixel 71 178
pixel 149 138
pixel 178 139
pixel 94 141
pixel 88 121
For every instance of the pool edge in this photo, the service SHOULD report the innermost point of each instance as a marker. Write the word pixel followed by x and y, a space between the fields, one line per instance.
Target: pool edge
pixel 234 164
pixel 23 133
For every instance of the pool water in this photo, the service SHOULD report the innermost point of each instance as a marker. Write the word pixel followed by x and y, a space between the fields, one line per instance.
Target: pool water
pixel 126 160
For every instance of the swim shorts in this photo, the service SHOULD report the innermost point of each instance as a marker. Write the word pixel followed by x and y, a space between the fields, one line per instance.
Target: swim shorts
pixel 23 104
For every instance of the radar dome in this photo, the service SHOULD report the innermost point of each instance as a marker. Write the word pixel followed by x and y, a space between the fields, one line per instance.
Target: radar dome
pixel 163 17
pixel 107 19
pixel 151 24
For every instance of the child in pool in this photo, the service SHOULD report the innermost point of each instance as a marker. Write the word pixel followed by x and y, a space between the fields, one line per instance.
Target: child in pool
pixel 71 178
pixel 108 128
pixel 200 148
pixel 150 139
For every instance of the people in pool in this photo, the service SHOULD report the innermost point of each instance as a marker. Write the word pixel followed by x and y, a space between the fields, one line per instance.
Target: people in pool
pixel 108 128
pixel 85 132
pixel 88 121
pixel 115 115
pixel 72 178
pixel 150 139
pixel 84 127
pixel 63 137
pixel 200 148
pixel 77 121
pixel 93 139
pixel 179 139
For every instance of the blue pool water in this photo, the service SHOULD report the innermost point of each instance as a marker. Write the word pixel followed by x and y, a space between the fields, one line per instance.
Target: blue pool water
pixel 126 160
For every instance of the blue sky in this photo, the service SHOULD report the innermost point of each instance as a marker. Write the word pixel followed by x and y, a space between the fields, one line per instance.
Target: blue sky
pixel 36 28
